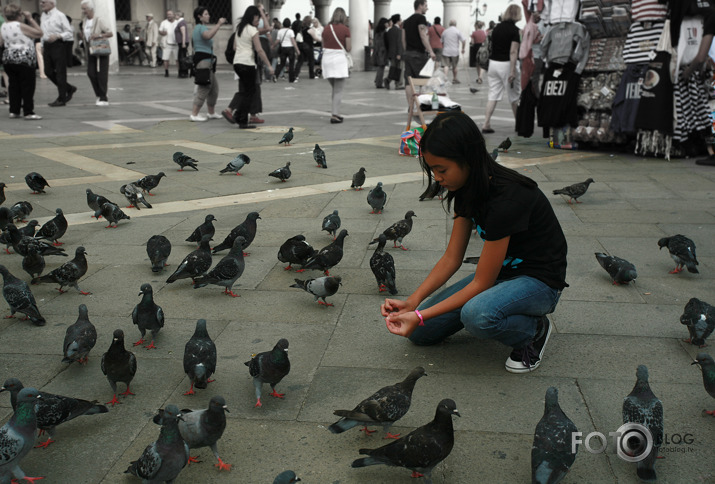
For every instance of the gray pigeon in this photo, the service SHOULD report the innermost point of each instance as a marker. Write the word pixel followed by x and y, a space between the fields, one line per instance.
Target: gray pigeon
pixel 287 137
pixel 319 156
pixel 641 406
pixel 246 229
pixel 95 202
pixel 707 366
pixel 235 165
pixel 377 198
pixel 80 338
pixel 184 160
pixel 434 189
pixel 163 460
pixel 358 179
pixel 33 263
pixel 199 358
pixel 113 214
pixel 22 242
pixel 286 477
pixel 269 367
pixel 384 407
pixel 699 317
pixel 204 428
pixel 68 273
pixel 551 456
pixel 158 248
pixel 54 229
pixel 422 449
pixel 36 182
pixel 282 173
pixel 134 196
pixel 620 270
pixel 574 191
pixel 227 271
pixel 682 250
pixel 505 145
pixel 26 231
pixel 321 287
pixel 17 437
pixel 53 410
pixel 329 256
pixel 147 315
pixel 149 182
pixel 331 223
pixel 194 264
pixel 19 297
pixel 119 365
pixel 20 211
pixel 383 267
pixel 296 251
pixel 399 230
pixel 206 228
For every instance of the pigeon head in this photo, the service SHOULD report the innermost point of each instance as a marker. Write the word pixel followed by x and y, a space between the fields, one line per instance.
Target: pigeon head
pixel 58 211
pixel 253 216
pixel 4 271
pixel 589 181
pixel 161 174
pixel 2 185
pixel 210 218
pixel 288 162
pixel 417 372
pixel 642 373
pixel 290 129
pixel 381 240
pixel 335 212
pixel 700 360
pixel 80 251
pixel 118 336
pixel 89 192
pixel 552 398
pixel 171 412
pixel 379 184
pixel 238 243
pixel 218 404
pixel 663 242
pixel 83 310
pixel 35 223
pixel 201 330
pixel 145 289
pixel 343 233
pixel 12 385
pixel 448 407
pixel 410 214
pixel 362 170
pixel 28 395
pixel 316 146
pixel 282 344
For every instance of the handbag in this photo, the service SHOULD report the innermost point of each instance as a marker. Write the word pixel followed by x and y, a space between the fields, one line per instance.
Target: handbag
pixel 348 57
pixel 202 72
pixel 410 142
pixel 99 47
pixel 394 73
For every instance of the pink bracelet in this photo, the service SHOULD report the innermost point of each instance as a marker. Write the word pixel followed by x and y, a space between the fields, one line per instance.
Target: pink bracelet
pixel 422 321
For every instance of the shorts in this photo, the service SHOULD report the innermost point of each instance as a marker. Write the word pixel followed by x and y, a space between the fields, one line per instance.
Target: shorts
pixel 169 51
pixel 498 78
pixel 450 61
pixel 414 62
pixel 438 54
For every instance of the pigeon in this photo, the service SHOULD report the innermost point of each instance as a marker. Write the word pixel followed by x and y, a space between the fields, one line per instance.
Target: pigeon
pixel 505 145
pixel 269 367
pixel 199 358
pixel 495 154
pixel 53 410
pixel 331 223
pixel 184 160
pixel 21 243
pixel 134 196
pixel 620 270
pixel 26 231
pixel 2 193
pixel 422 449
pixel 329 256
pixel 68 273
pixel 551 456
pixel 206 228
pixel 296 251
pixel 17 437
pixel 149 182
pixel 574 191
pixel 358 179
pixel 286 477
pixel 4 217
pixel 682 250
pixel 384 407
pixel 158 248
pixel 80 338
pixel 203 428
pixel 119 365
pixel 707 366
pixel 319 156
pixel 147 315
pixel 377 198
pixel 641 406
pixel 246 229
pixel 95 202
pixel 33 263
pixel 227 271
pixel 434 189
pixel 287 137
pixel 699 317
pixel 36 182
pixel 20 211
pixel 163 460
pixel 399 230
pixel 235 165
pixel 113 214
pixel 19 297
pixel 282 173
pixel 194 264
pixel 383 266
pixel 321 287
pixel 54 229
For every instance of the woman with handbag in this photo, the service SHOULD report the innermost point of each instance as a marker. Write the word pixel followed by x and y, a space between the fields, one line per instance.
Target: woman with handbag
pixel 206 88
pixel 336 51
pixel 96 33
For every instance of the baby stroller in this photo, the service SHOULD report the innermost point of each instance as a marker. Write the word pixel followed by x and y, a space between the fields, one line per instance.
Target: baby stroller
pixel 318 56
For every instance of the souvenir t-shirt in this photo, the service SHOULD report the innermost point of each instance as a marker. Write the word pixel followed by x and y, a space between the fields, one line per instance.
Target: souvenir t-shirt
pixel 502 36
pixel 411 26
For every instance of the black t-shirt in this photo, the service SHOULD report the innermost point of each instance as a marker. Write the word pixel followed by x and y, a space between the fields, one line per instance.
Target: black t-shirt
pixel 502 36
pixel 412 32
pixel 537 247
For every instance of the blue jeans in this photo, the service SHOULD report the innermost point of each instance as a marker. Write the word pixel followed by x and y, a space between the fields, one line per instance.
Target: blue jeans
pixel 507 312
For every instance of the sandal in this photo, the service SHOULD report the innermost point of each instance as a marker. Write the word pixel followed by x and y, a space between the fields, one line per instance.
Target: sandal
pixel 479 81
pixel 487 130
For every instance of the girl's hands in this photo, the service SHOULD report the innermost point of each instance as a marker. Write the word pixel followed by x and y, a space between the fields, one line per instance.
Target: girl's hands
pixel 398 306
pixel 402 324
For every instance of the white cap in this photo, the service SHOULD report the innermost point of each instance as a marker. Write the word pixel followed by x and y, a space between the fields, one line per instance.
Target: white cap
pixel 150 15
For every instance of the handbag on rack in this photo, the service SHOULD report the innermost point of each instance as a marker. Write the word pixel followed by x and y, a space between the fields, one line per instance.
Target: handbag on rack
pixel 348 57
pixel 99 47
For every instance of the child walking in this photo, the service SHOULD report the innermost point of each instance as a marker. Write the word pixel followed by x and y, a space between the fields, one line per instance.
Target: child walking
pixel 522 266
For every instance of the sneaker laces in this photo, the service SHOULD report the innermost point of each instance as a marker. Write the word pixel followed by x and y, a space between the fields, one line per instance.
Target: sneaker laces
pixel 528 355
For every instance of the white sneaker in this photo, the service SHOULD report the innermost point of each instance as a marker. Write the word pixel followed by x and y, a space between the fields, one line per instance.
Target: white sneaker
pixel 197 118
pixel 14 116
pixel 102 103
pixel 529 358
pixel 33 117
pixel 214 116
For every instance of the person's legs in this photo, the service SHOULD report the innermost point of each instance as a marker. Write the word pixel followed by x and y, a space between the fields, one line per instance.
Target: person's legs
pixel 14 87
pixel 200 94
pixel 103 77
pixel 338 85
pixel 299 61
pixel 92 61
pixel 291 65
pixel 379 76
pixel 247 89
pixel 283 57
pixel 27 82
pixel 212 95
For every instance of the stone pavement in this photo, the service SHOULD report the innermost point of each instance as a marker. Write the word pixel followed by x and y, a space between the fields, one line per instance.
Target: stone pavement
pixel 342 354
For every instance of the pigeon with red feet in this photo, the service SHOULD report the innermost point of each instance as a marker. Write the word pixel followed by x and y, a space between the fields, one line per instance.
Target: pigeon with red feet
pixel 204 428
pixel 398 231
pixel 158 248
pixel 227 271
pixel 17 437
pixel 319 157
pixel 358 179
pixel 26 231
pixel 199 358
pixel 184 160
pixel 149 182
pixel 329 256
pixel 320 287
pixel 134 196
pixel 36 182
pixel 682 250
pixel 235 165
pixel 269 367
pixel 376 198
pixel 80 338
pixel 68 273
pixel 331 223
pixel 206 228
pixel 19 297
pixel 282 173
pixel 287 137
pixel 119 365
pixel 384 407
pixel 699 317
pixel 113 214
pixel 620 270
pixel 642 407
pixel 296 250
pixel 20 243
pixel 551 452
pixel 194 264
pixel 54 229
pixel 95 202
pixel 707 366
pixel 383 267
pixel 574 191
pixel 147 315
pixel 246 229
pixel 20 211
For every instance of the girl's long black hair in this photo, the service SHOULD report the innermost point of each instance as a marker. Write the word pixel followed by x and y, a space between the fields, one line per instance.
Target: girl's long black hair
pixel 247 18
pixel 454 135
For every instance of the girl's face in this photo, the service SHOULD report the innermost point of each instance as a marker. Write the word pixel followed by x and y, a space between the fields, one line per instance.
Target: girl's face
pixel 205 17
pixel 446 172
pixel 256 19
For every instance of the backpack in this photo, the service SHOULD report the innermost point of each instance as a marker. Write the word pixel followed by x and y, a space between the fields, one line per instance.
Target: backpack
pixel 230 51
pixel 485 52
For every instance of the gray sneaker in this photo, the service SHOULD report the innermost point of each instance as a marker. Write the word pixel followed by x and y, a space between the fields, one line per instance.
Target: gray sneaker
pixel 528 358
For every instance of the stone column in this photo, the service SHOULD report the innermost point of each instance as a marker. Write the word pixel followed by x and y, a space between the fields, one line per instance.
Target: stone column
pixel 237 9
pixel 382 9
pixel 274 9
pixel 459 10
pixel 322 11
pixel 359 36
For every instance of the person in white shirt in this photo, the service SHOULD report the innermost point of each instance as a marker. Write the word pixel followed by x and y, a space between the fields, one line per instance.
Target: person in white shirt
pixel 169 48
pixel 288 50
pixel 56 32
pixel 152 37
pixel 451 38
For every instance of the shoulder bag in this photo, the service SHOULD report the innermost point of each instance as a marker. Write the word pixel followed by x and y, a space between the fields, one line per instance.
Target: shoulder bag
pixel 99 47
pixel 347 54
